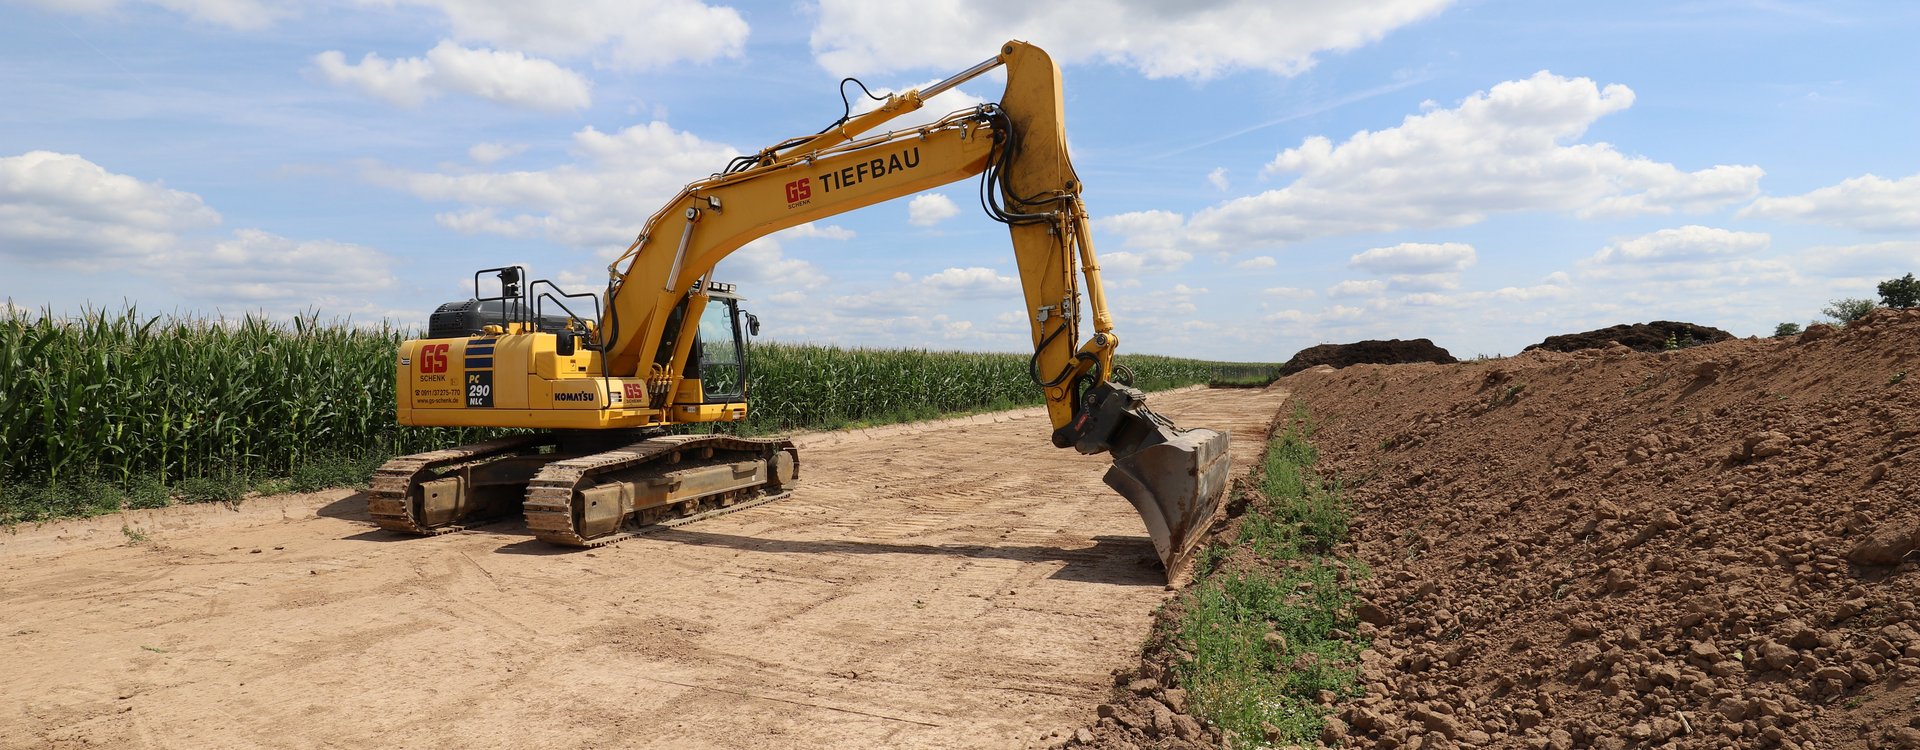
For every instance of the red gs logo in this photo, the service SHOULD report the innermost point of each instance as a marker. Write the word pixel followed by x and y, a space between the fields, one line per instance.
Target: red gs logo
pixel 799 190
pixel 433 358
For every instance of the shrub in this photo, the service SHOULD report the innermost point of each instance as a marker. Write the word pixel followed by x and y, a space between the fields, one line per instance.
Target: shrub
pixel 1900 292
pixel 1848 309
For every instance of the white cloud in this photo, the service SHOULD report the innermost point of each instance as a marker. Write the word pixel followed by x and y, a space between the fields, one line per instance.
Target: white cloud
pixel 1867 202
pixel 1875 262
pixel 763 265
pixel 814 230
pixel 973 281
pixel 628 34
pixel 402 82
pixel 1157 315
pixel 1423 282
pixel 1415 258
pixel 1691 242
pixel 65 211
pixel 624 34
pixel 1192 40
pixel 1150 261
pixel 1510 149
pixel 928 209
pixel 509 78
pixel 1357 288
pixel 1257 263
pixel 1218 178
pixel 1416 266
pixel 488 153
pixel 245 15
pixel 61 209
pixel 599 200
pixel 258 269
pixel 1155 236
pixel 946 306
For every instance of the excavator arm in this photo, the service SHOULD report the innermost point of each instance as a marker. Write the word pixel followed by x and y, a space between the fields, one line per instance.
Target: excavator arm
pixel 658 287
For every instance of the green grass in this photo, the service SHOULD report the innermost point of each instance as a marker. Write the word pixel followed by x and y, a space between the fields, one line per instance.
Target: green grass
pixel 1268 625
pixel 1247 376
pixel 105 411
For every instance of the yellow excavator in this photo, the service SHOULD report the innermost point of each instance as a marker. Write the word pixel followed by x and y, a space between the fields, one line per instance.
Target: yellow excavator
pixel 602 378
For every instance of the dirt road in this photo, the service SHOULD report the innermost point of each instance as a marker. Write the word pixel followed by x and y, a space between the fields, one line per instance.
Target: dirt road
pixel 946 585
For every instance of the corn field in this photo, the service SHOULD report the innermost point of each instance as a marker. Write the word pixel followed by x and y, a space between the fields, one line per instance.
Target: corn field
pixel 800 386
pixel 122 400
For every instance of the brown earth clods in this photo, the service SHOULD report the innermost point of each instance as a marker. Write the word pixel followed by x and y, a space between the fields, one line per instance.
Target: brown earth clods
pixel 1704 548
pixel 1390 352
pixel 1640 337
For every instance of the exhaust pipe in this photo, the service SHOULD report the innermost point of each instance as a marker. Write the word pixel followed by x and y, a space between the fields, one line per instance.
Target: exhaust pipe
pixel 1174 478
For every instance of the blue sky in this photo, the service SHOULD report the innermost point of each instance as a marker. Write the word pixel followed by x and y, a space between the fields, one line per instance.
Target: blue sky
pixel 1264 175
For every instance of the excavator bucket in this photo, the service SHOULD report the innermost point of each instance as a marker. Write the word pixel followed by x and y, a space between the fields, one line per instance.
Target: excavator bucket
pixel 1176 485
pixel 1174 478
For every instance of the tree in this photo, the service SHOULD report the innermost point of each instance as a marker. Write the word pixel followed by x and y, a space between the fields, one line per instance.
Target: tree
pixel 1786 329
pixel 1847 309
pixel 1900 292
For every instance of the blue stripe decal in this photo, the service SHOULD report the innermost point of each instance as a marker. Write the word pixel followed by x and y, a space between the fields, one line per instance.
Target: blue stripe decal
pixel 479 363
pixel 479 342
pixel 477 350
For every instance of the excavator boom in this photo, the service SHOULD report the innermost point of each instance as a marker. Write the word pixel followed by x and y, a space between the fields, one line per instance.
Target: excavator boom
pixel 640 364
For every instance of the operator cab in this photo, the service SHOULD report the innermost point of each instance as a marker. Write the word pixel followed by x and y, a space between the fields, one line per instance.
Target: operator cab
pixel 719 353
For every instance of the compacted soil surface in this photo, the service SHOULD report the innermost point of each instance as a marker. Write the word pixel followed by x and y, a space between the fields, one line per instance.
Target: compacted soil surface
pixel 954 584
pixel 1705 548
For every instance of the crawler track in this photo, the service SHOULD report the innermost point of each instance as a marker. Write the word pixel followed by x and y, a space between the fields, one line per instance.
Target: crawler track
pixel 391 497
pixel 553 497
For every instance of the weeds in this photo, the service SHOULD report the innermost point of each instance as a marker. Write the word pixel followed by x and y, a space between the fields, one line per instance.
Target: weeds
pixel 80 497
pixel 1265 638
pixel 134 536
pixel 1506 396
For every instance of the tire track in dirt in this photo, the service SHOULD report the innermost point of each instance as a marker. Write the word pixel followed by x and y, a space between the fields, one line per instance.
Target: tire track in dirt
pixel 954 584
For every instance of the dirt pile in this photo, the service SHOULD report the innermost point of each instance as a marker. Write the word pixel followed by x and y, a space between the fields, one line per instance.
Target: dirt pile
pixel 1640 337
pixel 1704 548
pixel 1390 352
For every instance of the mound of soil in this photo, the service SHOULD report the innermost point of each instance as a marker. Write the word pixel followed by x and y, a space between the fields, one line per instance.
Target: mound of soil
pixel 1704 548
pixel 1640 337
pixel 1390 352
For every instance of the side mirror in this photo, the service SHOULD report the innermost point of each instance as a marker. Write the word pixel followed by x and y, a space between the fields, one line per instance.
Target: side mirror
pixel 753 324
